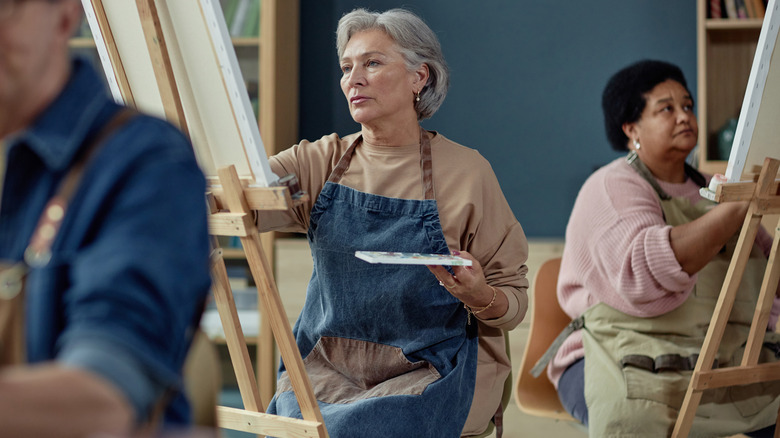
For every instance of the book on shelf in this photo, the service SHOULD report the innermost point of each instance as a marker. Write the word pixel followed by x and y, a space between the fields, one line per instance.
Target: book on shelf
pixel 252 22
pixel 731 9
pixel 242 17
pixel 759 6
pixel 741 11
pixel 737 9
pixel 750 7
pixel 246 308
pixel 238 277
pixel 715 9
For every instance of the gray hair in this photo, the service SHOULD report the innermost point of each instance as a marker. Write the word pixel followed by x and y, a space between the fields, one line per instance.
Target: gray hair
pixel 417 43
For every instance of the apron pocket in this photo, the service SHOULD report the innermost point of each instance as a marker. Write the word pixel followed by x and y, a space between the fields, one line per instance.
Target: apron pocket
pixel 347 370
pixel 667 387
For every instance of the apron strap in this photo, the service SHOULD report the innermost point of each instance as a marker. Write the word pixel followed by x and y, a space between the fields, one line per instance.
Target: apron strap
pixel 426 164
pixel 38 251
pixel 633 160
pixel 573 326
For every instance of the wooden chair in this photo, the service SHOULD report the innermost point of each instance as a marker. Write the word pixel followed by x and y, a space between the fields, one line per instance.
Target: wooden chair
pixel 203 380
pixel 537 396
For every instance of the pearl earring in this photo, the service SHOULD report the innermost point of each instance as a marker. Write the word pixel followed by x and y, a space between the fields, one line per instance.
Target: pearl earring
pixel 418 97
pixel 636 145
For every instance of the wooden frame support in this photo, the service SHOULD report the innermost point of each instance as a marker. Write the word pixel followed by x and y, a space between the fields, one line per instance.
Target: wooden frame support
pixel 764 199
pixel 232 216
pixel 113 53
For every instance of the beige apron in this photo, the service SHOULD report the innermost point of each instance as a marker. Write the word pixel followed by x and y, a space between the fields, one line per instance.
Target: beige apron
pixel 637 369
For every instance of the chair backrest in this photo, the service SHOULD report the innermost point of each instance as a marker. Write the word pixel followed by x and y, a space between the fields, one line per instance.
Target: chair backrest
pixel 203 380
pixel 537 396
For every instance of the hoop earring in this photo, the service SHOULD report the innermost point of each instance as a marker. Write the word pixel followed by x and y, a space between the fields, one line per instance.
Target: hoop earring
pixel 636 145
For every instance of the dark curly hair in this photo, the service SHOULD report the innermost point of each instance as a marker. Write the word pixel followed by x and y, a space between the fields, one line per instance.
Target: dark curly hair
pixel 624 100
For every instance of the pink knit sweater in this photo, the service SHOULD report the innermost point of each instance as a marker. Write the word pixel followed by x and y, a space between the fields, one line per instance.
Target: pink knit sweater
pixel 618 252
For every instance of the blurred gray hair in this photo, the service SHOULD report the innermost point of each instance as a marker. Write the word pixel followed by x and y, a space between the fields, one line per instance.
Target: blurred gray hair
pixel 418 45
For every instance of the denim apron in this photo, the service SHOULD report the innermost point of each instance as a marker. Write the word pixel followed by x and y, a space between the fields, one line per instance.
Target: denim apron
pixel 637 369
pixel 387 348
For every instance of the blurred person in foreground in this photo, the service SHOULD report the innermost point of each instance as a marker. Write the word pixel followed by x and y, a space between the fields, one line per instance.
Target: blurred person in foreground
pixel 103 242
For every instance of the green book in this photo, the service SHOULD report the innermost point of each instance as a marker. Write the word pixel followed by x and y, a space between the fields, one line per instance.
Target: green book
pixel 229 9
pixel 252 22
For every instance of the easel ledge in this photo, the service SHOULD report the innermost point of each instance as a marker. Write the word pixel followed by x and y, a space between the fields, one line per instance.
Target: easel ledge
pixel 743 191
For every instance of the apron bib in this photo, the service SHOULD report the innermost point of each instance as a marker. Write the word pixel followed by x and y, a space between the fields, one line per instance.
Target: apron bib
pixel 386 347
pixel 638 369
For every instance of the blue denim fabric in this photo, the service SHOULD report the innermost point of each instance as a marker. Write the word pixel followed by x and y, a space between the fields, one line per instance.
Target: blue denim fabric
pixel 399 305
pixel 571 391
pixel 129 272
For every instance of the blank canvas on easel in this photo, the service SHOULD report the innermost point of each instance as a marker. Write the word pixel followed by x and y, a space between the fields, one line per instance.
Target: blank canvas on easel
pixel 219 119
pixel 758 129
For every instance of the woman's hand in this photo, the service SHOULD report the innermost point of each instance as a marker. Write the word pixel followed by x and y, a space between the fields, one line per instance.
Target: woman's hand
pixel 470 286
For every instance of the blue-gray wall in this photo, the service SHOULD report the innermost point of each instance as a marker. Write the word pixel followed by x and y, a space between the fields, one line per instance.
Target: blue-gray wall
pixel 526 83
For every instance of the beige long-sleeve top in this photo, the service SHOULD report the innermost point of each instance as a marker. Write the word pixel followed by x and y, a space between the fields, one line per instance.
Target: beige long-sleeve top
pixel 474 216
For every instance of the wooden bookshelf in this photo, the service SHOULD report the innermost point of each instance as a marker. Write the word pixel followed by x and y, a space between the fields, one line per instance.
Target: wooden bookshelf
pixel 725 47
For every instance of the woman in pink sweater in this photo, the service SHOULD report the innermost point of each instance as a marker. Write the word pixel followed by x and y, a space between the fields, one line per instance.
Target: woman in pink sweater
pixel 644 261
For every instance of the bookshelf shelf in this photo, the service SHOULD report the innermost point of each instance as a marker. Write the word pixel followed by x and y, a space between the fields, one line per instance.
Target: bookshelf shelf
pixel 233 254
pixel 246 42
pixel 725 47
pixel 731 23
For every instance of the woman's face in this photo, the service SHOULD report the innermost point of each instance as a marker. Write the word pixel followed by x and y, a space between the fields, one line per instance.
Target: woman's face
pixel 375 81
pixel 667 130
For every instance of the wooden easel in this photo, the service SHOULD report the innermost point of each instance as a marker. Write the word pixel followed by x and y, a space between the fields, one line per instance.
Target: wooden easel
pixel 232 205
pixel 764 197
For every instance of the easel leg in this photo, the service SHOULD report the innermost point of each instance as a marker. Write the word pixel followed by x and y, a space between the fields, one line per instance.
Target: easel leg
pixel 234 336
pixel 763 201
pixel 270 300
pixel 718 323
pixel 266 345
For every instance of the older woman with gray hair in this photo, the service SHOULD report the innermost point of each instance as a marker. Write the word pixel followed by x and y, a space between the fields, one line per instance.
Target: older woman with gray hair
pixel 401 350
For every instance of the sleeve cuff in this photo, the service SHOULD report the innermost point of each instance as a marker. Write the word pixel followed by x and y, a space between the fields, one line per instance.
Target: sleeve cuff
pixel 508 317
pixel 663 264
pixel 118 367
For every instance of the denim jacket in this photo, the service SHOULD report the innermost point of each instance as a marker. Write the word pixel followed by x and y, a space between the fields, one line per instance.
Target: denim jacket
pixel 129 270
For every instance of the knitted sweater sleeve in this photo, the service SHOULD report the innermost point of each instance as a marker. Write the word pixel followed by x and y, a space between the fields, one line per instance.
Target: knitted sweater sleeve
pixel 618 249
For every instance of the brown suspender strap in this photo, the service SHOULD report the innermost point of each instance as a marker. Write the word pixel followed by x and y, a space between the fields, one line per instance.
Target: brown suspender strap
pixel 425 164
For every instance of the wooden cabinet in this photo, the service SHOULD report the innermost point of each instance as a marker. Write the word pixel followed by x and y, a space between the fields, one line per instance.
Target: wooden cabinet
pixel 725 56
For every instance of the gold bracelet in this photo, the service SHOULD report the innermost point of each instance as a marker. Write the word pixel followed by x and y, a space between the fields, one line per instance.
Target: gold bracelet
pixel 470 311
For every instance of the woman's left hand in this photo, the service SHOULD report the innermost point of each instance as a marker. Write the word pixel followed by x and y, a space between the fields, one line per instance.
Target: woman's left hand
pixel 469 285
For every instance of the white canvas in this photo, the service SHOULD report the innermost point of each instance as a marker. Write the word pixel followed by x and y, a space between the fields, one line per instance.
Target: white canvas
pixel 758 129
pixel 218 114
